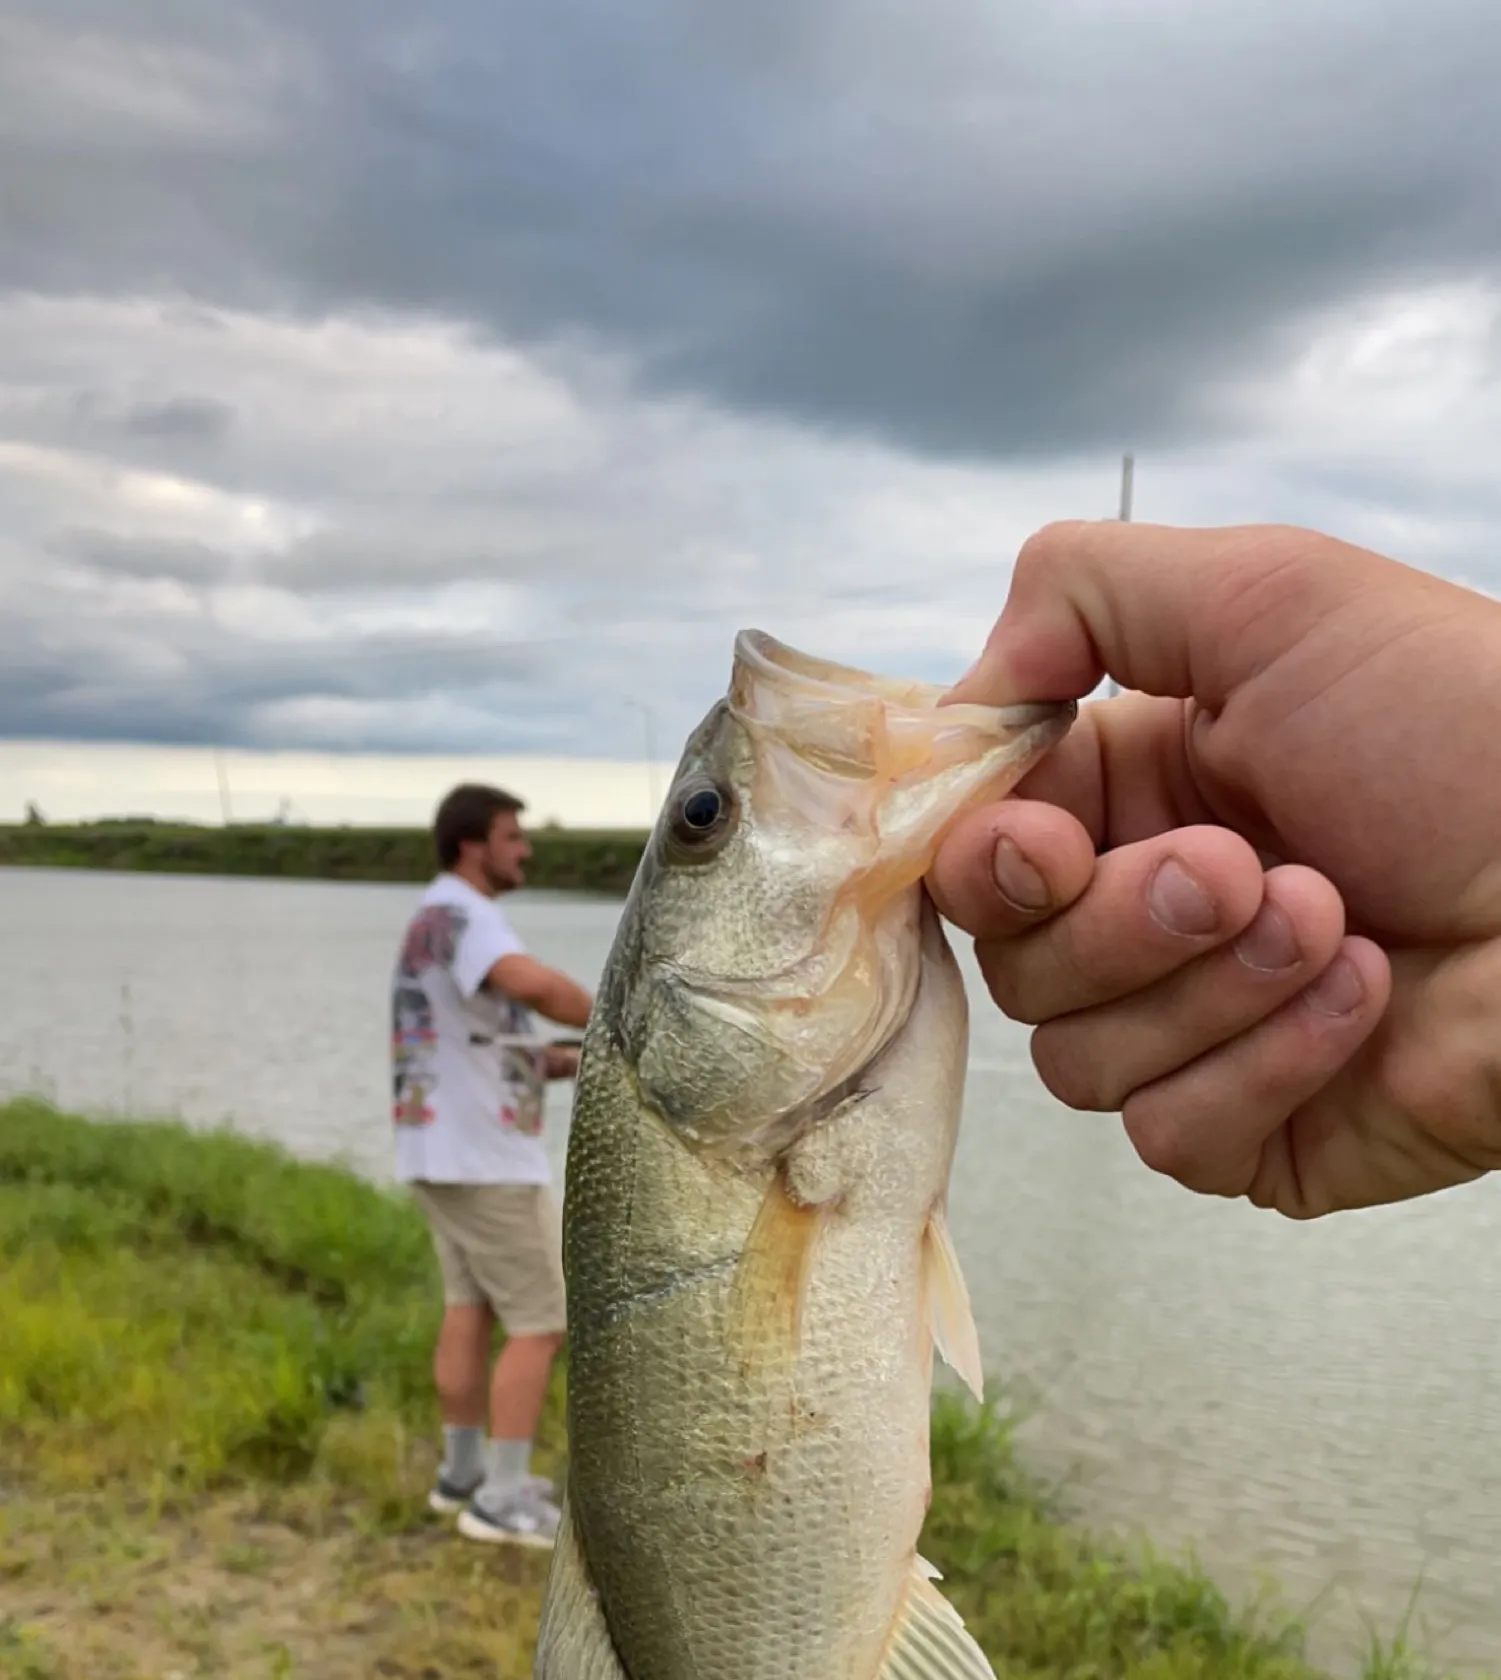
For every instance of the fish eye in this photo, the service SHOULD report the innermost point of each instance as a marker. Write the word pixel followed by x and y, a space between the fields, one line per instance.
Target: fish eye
pixel 701 814
pixel 701 810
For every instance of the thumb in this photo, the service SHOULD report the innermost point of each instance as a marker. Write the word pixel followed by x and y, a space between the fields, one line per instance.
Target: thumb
pixel 1165 610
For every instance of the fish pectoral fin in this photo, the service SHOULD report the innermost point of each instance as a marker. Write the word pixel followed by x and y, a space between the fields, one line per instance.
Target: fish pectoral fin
pixel 573 1642
pixel 771 1281
pixel 953 1322
pixel 928 1639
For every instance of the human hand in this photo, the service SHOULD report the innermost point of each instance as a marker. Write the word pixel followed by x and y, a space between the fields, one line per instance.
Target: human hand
pixel 561 1061
pixel 1306 1010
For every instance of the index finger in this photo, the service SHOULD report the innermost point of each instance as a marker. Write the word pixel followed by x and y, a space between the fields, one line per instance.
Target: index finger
pixel 1164 610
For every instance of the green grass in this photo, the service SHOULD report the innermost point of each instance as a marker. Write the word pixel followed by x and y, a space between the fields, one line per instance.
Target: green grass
pixel 583 860
pixel 215 1404
pixel 196 1311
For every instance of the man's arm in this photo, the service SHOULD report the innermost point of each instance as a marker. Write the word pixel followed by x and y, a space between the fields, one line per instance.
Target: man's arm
pixel 541 988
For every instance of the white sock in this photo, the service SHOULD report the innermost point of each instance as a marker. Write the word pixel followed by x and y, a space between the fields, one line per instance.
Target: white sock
pixel 507 1464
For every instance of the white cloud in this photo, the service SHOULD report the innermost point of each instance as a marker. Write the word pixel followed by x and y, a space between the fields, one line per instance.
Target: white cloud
pixel 382 532
pixel 1377 372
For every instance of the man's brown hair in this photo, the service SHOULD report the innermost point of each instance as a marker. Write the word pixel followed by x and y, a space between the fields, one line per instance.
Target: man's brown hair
pixel 466 814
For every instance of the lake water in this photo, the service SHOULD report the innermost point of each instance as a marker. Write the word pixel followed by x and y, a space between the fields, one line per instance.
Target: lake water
pixel 1319 1404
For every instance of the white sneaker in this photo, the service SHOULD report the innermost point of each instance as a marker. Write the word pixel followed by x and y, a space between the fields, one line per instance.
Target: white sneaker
pixel 445 1497
pixel 525 1519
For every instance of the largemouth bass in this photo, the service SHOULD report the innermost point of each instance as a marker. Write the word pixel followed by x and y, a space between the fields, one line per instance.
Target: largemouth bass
pixel 755 1243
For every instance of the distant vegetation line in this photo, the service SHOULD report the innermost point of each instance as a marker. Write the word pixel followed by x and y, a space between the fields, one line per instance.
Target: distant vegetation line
pixel 575 859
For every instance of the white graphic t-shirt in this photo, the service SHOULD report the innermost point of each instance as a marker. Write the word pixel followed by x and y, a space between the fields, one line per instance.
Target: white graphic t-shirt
pixel 467 1072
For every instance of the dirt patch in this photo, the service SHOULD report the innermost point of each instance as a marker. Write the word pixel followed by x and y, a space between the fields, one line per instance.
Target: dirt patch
pixel 104 1589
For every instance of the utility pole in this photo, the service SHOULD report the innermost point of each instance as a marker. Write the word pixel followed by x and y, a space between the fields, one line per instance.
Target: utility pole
pixel 1128 485
pixel 648 726
pixel 223 786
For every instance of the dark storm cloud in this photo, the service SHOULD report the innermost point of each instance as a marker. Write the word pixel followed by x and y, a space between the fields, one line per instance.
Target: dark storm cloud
pixel 180 420
pixel 968 230
pixel 52 410
pixel 516 541
pixel 122 676
pixel 114 555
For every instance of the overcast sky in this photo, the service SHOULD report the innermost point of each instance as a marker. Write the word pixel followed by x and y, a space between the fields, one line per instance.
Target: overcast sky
pixel 446 379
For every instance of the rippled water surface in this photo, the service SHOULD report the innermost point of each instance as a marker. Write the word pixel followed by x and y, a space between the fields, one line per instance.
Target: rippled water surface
pixel 1320 1404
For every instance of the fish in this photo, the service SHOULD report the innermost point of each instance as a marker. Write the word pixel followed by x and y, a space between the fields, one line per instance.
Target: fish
pixel 756 1246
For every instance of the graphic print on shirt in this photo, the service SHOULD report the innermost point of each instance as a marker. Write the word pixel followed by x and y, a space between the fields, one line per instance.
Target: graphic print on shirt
pixel 430 942
pixel 521 1073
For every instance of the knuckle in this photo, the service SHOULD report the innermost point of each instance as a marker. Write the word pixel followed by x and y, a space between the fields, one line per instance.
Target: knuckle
pixel 1043 972
pixel 1004 974
pixel 1275 1189
pixel 1046 546
pixel 1077 1079
pixel 1163 1141
pixel 1068 972
pixel 1076 969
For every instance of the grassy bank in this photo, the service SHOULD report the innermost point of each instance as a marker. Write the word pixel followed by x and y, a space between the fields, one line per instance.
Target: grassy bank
pixel 583 860
pixel 216 1433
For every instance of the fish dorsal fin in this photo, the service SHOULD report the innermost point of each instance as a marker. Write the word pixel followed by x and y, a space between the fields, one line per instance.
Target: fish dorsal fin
pixel 573 1642
pixel 953 1322
pixel 928 1639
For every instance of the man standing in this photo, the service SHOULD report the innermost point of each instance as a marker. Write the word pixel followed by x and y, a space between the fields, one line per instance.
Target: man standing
pixel 469 1077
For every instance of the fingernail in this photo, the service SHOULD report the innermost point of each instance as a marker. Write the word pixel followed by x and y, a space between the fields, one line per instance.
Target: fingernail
pixel 1020 883
pixel 1179 903
pixel 1269 944
pixel 1338 990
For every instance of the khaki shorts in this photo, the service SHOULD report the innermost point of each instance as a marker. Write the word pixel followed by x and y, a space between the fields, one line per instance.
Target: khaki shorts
pixel 500 1245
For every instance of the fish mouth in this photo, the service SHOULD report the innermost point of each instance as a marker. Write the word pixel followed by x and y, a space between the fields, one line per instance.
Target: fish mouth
pixel 766 664
pixel 844 748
